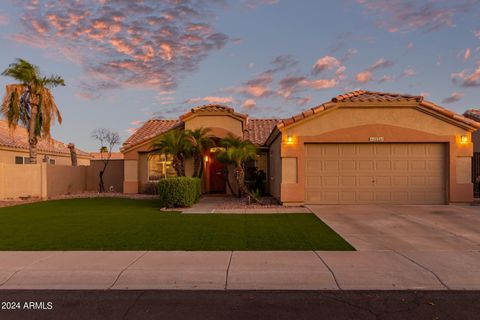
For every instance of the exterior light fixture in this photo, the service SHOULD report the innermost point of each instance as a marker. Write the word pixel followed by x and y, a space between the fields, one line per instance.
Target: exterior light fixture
pixel 463 139
pixel 206 158
pixel 289 140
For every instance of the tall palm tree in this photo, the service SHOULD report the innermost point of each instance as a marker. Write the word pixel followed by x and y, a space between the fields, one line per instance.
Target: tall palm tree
pixel 30 102
pixel 238 152
pixel 201 140
pixel 177 144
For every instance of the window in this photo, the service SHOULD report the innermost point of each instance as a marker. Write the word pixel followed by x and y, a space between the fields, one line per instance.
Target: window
pixel 51 161
pixel 159 167
pixel 22 160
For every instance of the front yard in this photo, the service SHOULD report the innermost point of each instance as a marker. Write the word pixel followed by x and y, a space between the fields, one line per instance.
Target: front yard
pixel 124 224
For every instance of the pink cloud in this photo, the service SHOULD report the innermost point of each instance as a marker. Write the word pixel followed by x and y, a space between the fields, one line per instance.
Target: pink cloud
pixel 116 50
pixel 253 4
pixel 136 122
pixel 467 54
pixel 409 72
pixel 467 78
pixel 454 97
pixel 325 63
pixel 3 20
pixel 476 33
pixel 410 45
pixel 364 76
pixel 212 99
pixel 386 78
pixel 367 75
pixel 399 15
pixel 321 83
pixel 249 104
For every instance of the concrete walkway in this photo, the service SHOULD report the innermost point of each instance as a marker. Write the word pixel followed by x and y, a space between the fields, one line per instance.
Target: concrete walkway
pixel 226 270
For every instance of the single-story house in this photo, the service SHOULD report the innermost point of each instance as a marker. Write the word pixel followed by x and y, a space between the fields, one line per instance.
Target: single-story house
pixel 14 149
pixel 361 147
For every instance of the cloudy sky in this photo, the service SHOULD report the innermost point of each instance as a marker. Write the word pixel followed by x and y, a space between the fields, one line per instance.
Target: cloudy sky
pixel 127 61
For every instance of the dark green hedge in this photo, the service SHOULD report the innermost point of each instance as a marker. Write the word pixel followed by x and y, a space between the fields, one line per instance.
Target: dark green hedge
pixel 179 192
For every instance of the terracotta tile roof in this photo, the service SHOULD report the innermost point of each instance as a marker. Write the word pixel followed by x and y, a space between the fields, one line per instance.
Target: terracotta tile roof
pixel 473 114
pixel 114 156
pixel 211 108
pixel 151 129
pixel 18 139
pixel 360 96
pixel 258 130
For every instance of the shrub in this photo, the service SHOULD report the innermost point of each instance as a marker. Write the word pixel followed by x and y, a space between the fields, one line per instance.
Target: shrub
pixel 179 191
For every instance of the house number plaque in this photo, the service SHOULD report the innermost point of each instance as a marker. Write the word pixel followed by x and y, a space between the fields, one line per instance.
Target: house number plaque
pixel 376 139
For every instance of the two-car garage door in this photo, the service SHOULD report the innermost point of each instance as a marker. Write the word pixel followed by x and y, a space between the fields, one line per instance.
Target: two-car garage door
pixel 404 173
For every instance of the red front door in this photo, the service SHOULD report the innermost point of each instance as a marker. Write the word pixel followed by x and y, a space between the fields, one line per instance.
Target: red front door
pixel 217 176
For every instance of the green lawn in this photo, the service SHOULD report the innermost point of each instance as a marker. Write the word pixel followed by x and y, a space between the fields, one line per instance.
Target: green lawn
pixel 123 224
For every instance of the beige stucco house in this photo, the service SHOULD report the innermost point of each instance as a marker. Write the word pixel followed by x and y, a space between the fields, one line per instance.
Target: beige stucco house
pixel 14 149
pixel 359 148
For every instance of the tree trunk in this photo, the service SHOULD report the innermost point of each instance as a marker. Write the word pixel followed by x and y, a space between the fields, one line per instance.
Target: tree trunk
pixel 240 179
pixel 101 184
pixel 32 138
pixel 177 164
pixel 225 169
pixel 73 154
pixel 200 174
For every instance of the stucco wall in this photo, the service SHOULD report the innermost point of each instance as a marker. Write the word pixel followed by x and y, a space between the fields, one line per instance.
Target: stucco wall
pixel 394 124
pixel 216 122
pixel 113 175
pixel 66 180
pixel 21 181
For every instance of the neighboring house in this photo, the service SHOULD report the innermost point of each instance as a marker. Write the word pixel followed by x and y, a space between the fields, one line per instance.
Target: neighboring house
pixel 14 149
pixel 361 147
pixel 474 114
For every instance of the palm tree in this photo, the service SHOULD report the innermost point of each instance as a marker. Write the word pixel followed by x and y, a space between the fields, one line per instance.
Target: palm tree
pixel 177 144
pixel 30 102
pixel 201 140
pixel 238 152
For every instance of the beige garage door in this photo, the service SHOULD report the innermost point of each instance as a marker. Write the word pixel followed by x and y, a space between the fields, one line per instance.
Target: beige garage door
pixel 403 173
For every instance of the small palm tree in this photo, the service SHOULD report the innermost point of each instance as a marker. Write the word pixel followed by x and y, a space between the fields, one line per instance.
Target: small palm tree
pixel 238 152
pixel 177 144
pixel 201 140
pixel 30 102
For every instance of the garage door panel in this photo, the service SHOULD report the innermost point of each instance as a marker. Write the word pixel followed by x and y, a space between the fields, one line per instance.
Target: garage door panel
pixel 375 173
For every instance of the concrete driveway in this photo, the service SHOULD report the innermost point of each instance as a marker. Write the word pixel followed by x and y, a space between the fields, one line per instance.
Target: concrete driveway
pixel 411 228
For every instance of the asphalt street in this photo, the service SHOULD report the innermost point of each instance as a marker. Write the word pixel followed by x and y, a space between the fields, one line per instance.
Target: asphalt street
pixel 231 305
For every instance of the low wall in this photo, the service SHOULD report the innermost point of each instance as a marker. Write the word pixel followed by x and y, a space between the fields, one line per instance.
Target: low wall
pixel 113 176
pixel 18 181
pixel 66 180
pixel 45 181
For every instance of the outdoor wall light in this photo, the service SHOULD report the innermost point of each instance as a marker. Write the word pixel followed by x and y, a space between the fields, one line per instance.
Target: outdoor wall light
pixel 289 140
pixel 463 139
pixel 206 158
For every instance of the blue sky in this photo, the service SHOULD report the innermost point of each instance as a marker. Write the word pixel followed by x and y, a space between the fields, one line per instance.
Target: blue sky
pixel 127 61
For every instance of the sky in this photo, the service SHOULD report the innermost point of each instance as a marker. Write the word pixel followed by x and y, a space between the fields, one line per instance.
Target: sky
pixel 127 61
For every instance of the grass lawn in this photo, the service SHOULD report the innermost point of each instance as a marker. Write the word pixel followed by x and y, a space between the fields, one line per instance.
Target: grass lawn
pixel 123 224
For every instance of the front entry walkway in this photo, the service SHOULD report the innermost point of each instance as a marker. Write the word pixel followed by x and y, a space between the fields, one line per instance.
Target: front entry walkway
pixel 230 205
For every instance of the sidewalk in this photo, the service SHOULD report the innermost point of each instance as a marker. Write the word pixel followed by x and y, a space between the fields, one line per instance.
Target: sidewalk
pixel 227 270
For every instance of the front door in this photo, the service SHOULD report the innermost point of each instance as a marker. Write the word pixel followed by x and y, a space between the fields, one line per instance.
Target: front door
pixel 217 176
